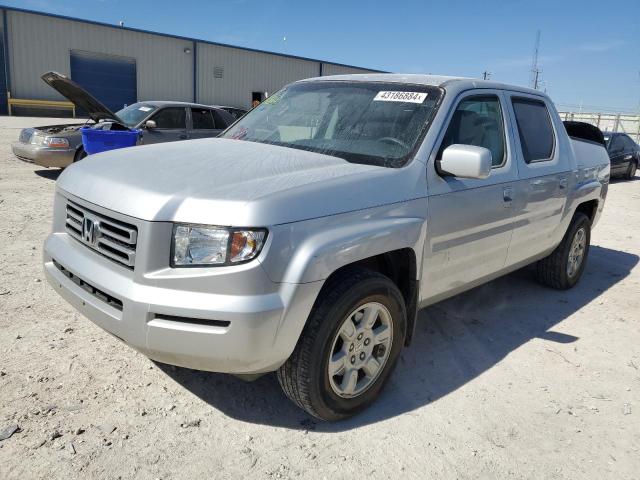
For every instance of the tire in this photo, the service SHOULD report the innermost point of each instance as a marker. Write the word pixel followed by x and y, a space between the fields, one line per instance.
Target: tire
pixel 555 270
pixel 80 154
pixel 305 376
pixel 631 171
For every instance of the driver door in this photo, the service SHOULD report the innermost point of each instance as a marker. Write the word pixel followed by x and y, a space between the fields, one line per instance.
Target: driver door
pixel 469 222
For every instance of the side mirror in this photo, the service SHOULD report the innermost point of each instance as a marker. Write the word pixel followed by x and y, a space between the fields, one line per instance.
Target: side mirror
pixel 466 161
pixel 150 124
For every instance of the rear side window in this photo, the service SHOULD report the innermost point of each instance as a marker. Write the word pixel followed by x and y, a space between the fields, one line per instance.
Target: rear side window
pixel 221 122
pixel 534 128
pixel 629 144
pixel 202 119
pixel 170 118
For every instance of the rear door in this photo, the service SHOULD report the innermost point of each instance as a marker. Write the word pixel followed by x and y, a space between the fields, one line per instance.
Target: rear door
pixel 171 125
pixel 630 152
pixel 202 123
pixel 543 164
pixel 617 154
pixel 470 220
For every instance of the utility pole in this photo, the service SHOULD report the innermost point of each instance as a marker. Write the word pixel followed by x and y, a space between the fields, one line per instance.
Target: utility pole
pixel 486 75
pixel 535 71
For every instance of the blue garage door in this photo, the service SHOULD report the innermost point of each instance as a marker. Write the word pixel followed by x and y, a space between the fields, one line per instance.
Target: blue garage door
pixel 110 79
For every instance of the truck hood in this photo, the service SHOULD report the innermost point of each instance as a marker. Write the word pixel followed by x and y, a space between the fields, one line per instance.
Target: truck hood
pixel 229 183
pixel 79 97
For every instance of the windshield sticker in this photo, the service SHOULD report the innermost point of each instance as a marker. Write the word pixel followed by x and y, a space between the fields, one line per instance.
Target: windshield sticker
pixel 273 99
pixel 145 109
pixel 411 97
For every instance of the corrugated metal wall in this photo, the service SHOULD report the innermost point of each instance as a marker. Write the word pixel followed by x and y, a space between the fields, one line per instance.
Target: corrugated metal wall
pixel 244 72
pixel 164 65
pixel 40 43
pixel 332 69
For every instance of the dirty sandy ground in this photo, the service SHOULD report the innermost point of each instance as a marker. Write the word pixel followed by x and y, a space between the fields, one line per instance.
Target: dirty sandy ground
pixel 510 380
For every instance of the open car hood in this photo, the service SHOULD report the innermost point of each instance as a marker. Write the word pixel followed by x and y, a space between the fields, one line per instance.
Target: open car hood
pixel 79 97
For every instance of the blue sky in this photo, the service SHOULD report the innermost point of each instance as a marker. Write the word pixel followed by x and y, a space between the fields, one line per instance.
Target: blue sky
pixel 589 51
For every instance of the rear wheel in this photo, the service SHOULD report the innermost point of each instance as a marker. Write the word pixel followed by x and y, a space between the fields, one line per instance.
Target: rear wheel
pixel 349 346
pixel 631 171
pixel 564 266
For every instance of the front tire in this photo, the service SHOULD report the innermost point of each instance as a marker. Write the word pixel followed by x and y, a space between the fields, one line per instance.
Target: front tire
pixel 564 266
pixel 80 154
pixel 349 346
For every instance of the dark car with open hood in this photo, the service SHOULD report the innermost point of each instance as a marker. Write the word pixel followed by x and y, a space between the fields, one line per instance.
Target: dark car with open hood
pixel 160 121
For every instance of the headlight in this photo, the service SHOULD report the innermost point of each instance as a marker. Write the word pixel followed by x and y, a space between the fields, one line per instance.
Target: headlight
pixel 195 245
pixel 56 142
pixel 36 139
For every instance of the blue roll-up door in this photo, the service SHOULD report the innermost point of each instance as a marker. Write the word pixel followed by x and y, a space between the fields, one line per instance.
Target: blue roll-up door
pixel 110 79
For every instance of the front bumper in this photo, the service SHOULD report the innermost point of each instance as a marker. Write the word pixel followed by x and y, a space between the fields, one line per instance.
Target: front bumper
pixel 44 156
pixel 224 319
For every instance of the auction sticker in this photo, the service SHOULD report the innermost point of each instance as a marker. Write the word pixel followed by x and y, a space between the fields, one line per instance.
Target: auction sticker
pixel 411 97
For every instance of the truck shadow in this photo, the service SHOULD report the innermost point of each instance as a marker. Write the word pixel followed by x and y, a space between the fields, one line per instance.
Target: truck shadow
pixel 49 173
pixel 456 340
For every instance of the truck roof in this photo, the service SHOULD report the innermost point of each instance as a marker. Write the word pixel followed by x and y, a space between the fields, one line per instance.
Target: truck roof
pixel 448 82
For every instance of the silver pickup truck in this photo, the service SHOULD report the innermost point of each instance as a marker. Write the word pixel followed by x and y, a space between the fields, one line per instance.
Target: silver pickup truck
pixel 305 240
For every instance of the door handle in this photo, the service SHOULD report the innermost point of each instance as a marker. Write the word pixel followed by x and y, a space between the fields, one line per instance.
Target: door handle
pixel 628 157
pixel 507 196
pixel 564 181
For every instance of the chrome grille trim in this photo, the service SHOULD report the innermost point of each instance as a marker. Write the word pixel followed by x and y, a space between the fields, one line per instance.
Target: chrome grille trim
pixel 112 238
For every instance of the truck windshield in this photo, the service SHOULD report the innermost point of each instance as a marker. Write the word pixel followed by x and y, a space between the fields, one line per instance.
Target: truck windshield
pixel 134 114
pixel 362 122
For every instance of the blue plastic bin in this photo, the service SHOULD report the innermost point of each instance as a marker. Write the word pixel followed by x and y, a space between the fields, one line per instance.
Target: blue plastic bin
pixel 95 141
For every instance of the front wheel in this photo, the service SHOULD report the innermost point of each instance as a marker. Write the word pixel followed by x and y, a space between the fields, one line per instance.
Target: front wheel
pixel 80 154
pixel 349 346
pixel 564 266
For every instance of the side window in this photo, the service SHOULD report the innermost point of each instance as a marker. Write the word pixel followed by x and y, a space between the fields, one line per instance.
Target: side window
pixel 534 128
pixel 478 121
pixel 202 119
pixel 617 144
pixel 221 122
pixel 629 145
pixel 172 117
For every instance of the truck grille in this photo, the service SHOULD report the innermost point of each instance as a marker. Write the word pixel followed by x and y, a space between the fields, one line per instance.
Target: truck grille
pixel 25 135
pixel 114 239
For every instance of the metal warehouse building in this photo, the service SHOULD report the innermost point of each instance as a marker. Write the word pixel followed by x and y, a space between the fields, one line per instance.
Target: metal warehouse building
pixel 122 65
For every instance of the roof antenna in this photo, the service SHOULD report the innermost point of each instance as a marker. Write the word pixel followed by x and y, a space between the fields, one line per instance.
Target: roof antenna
pixel 535 71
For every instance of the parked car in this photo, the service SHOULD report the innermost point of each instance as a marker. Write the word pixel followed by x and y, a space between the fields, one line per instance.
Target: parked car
pixel 236 112
pixel 161 121
pixel 306 238
pixel 624 154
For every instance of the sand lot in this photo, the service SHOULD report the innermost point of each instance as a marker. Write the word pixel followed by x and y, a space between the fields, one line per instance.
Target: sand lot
pixel 510 380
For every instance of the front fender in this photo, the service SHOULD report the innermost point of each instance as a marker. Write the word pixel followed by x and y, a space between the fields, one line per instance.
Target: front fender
pixel 310 251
